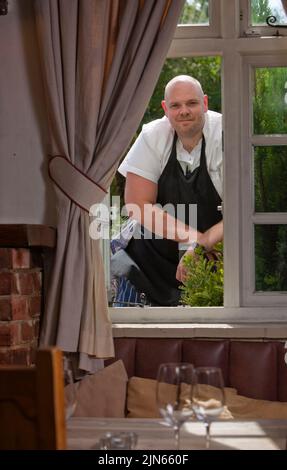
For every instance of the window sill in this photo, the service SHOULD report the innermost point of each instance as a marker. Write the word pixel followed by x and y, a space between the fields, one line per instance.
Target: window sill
pixel 201 315
pixel 205 322
pixel 193 330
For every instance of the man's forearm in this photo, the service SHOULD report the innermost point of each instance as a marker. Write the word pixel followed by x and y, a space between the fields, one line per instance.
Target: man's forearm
pixel 158 221
pixel 212 236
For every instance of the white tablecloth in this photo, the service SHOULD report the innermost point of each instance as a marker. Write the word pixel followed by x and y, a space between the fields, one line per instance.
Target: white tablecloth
pixel 153 434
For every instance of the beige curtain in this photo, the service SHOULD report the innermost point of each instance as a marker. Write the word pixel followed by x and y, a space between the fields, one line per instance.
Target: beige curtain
pixel 101 60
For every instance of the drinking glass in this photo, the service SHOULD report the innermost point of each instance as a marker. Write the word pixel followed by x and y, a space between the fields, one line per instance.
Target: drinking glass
pixel 173 395
pixel 70 387
pixel 208 397
pixel 119 441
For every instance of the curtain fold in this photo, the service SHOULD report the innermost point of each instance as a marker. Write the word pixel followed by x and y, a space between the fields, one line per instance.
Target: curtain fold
pixel 100 60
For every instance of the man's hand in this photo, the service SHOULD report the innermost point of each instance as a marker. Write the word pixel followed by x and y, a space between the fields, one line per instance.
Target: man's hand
pixel 181 269
pixel 212 236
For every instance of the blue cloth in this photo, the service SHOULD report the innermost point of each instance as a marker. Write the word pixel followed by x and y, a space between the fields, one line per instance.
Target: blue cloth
pixel 126 294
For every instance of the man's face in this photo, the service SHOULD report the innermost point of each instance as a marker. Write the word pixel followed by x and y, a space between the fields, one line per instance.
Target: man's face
pixel 184 107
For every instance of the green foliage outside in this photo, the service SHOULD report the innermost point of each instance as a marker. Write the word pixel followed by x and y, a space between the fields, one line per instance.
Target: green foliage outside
pixel 260 9
pixel 204 282
pixel 271 257
pixel 194 12
pixel 270 109
pixel 270 173
pixel 270 176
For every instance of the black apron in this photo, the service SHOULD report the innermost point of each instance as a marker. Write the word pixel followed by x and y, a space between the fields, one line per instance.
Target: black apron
pixel 158 258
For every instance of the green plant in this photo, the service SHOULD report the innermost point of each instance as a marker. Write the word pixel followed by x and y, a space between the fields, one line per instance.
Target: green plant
pixel 203 285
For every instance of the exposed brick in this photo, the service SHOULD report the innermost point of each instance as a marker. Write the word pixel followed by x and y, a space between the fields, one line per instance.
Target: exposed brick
pixel 23 283
pixel 35 305
pixel 37 329
pixel 19 356
pixel 21 258
pixel 20 304
pixel 9 334
pixel 20 307
pixel 14 307
pixel 5 258
pixel 5 308
pixel 28 331
pixel 6 283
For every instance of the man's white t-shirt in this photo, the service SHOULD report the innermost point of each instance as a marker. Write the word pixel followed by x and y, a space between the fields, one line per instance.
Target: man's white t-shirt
pixel 151 150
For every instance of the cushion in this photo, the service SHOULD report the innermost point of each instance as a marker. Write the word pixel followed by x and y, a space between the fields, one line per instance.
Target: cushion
pixel 141 398
pixel 103 394
pixel 249 408
pixel 141 402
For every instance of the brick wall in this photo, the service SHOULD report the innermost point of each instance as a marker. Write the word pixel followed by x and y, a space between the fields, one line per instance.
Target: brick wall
pixel 20 304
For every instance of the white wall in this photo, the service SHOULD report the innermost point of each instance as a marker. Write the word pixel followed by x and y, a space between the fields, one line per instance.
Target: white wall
pixel 26 194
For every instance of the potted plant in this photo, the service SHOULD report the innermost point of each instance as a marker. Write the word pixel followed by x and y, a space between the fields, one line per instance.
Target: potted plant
pixel 203 285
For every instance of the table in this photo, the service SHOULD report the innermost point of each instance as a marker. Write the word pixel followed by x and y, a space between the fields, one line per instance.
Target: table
pixel 154 434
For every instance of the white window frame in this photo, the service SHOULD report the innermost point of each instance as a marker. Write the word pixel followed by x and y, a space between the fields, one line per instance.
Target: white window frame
pixel 247 29
pixel 202 31
pixel 238 308
pixel 251 218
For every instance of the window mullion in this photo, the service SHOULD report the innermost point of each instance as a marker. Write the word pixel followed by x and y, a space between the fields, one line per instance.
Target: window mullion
pixel 231 125
pixel 263 140
pixel 230 16
pixel 272 218
pixel 248 275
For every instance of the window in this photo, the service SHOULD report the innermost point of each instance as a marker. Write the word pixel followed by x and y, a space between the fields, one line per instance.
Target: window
pixel 256 13
pixel 199 18
pixel 255 143
pixel 264 185
pixel 195 13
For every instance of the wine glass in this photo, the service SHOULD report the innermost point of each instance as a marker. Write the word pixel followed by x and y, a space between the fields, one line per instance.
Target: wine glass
pixel 208 396
pixel 173 395
pixel 70 387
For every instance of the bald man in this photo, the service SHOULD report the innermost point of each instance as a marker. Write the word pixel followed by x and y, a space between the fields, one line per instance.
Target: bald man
pixel 175 160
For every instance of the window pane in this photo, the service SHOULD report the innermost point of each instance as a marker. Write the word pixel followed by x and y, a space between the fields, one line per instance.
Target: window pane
pixel 207 70
pixel 271 257
pixel 260 9
pixel 270 100
pixel 195 12
pixel 270 173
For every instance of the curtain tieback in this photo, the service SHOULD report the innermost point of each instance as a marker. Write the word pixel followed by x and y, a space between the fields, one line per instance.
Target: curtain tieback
pixel 74 183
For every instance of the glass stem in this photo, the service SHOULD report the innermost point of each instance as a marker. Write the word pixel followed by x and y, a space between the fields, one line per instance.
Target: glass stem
pixel 207 434
pixel 176 437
